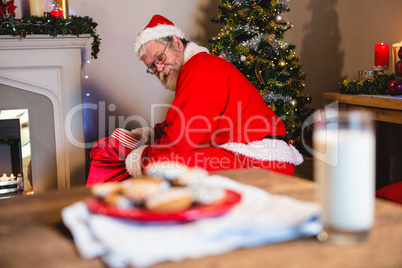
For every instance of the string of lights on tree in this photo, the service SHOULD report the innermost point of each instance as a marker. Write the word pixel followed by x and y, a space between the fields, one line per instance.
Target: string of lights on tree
pixel 252 39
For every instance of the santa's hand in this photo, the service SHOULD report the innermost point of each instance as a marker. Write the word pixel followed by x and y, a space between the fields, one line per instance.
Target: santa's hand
pixel 133 161
pixel 144 134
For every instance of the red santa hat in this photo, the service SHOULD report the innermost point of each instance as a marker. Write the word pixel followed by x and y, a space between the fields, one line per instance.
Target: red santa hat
pixel 158 27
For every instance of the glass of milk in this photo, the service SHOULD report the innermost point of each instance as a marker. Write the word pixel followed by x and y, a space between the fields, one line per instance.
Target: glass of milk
pixel 344 167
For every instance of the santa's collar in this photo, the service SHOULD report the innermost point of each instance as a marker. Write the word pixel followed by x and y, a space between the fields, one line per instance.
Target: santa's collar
pixel 192 49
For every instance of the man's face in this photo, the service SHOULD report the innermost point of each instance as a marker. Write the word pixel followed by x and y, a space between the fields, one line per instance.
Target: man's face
pixel 167 71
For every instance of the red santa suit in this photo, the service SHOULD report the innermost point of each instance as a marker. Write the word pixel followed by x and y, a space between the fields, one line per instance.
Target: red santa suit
pixel 217 121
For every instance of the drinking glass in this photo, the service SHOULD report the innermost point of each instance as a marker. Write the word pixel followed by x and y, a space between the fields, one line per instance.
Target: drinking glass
pixel 344 167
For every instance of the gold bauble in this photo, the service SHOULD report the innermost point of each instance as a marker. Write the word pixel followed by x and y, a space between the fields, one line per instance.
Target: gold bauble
pixel 282 63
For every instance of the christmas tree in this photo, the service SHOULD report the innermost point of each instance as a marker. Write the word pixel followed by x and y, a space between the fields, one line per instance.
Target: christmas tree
pixel 252 39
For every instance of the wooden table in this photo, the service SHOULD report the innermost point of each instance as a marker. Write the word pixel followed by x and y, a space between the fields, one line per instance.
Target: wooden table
pixel 32 234
pixel 384 108
pixel 387 111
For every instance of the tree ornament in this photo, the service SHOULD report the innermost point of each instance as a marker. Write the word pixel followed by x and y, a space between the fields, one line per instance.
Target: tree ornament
pixel 282 63
pixel 242 58
pixel 278 18
pixel 293 102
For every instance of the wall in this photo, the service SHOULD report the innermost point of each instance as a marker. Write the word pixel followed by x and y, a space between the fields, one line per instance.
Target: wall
pixel 334 39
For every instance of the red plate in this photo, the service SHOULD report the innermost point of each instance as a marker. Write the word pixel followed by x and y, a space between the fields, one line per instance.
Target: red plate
pixel 194 213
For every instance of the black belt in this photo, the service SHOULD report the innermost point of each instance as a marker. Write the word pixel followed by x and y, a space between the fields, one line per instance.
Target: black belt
pixel 274 137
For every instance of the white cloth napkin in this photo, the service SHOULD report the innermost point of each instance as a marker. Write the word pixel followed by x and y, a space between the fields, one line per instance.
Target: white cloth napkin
pixel 259 218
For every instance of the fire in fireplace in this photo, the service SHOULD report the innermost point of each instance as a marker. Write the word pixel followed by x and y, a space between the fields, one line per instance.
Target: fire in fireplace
pixel 15 152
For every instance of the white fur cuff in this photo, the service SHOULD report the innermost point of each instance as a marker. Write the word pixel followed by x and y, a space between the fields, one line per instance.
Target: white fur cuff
pixel 133 161
pixel 266 150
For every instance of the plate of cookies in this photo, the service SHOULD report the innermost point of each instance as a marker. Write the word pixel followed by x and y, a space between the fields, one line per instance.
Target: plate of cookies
pixel 163 194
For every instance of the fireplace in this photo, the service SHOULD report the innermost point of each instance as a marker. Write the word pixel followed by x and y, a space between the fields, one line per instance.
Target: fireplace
pixel 15 152
pixel 42 74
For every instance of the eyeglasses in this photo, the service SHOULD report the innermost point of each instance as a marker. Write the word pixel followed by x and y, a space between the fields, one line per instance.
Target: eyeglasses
pixel 160 59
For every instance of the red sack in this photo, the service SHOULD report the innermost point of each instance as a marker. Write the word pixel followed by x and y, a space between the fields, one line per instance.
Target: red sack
pixel 108 158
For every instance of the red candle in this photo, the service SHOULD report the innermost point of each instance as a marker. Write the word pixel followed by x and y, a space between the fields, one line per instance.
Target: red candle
pixel 381 55
pixel 57 13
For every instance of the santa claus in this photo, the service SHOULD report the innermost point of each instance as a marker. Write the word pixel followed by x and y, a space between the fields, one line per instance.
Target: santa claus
pixel 217 121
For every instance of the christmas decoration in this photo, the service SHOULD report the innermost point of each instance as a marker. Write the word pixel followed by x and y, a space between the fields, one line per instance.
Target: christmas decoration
pixel 395 49
pixel 252 39
pixel 7 9
pixel 372 86
pixel 398 65
pixel 64 6
pixel 366 74
pixel 36 7
pixel 381 58
pixel 56 10
pixel 395 87
pixel 52 26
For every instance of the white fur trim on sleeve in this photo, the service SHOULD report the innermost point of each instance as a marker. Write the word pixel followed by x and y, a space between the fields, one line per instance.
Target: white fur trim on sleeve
pixel 133 161
pixel 266 150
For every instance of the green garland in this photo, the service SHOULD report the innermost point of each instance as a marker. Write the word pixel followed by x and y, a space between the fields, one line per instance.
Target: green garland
pixel 371 86
pixel 52 26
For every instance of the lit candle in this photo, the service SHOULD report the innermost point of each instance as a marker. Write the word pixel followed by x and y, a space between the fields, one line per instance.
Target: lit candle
pixel 381 55
pixel 36 7
pixel 57 13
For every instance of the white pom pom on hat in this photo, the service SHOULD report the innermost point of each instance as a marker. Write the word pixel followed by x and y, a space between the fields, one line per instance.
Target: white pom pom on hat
pixel 158 27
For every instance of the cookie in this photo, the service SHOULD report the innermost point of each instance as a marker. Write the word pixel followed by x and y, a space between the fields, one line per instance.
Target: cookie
pixel 105 189
pixel 172 200
pixel 138 189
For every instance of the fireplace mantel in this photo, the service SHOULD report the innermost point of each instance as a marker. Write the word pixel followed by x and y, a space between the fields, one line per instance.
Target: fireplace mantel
pixel 51 67
pixel 38 41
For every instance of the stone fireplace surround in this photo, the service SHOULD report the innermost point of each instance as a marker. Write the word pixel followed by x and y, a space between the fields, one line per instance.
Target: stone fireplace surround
pixel 38 72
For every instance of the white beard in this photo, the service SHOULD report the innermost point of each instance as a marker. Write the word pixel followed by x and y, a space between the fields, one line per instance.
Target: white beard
pixel 174 68
pixel 171 82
